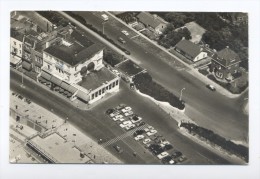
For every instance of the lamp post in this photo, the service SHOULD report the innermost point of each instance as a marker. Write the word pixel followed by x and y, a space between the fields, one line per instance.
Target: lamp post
pixel 103 28
pixel 181 93
pixel 22 81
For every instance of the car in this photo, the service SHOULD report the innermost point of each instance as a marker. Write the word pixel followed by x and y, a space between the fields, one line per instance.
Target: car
pixel 162 155
pixel 109 111
pixel 182 159
pixel 163 143
pixel 138 132
pixel 151 132
pixel 118 149
pixel 139 137
pixel 126 109
pixel 140 123
pixel 127 52
pixel 121 119
pixel 176 154
pixel 136 119
pixel 211 87
pixel 129 127
pixel 125 32
pixel 104 17
pixel 167 147
pixel 116 72
pixel 117 117
pixel 128 113
pixel 146 141
pixel 125 124
pixel 168 160
pixel 121 40
pixel 115 113
pixel 146 129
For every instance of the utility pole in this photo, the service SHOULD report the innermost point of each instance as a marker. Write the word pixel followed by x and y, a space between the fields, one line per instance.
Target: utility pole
pixel 181 93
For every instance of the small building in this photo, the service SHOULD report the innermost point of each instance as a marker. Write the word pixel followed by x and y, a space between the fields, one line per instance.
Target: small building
pixel 239 18
pixel 225 63
pixel 190 50
pixel 153 22
pixel 129 70
pixel 16 49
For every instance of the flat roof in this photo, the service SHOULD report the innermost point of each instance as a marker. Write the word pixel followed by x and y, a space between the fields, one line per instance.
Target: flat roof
pixel 129 67
pixel 96 79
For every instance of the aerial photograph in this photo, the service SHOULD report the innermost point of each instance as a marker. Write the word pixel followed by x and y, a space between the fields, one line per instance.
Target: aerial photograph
pixel 129 87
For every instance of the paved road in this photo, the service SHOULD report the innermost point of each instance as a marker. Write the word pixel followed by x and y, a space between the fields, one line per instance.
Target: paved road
pixel 208 109
pixel 96 124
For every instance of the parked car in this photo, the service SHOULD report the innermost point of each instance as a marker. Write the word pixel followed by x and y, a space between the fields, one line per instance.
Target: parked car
pixel 126 109
pixel 176 154
pixel 128 113
pixel 146 141
pixel 114 114
pixel 139 137
pixel 140 123
pixel 104 17
pixel 125 123
pixel 129 127
pixel 109 111
pixel 127 52
pixel 162 155
pixel 168 160
pixel 136 119
pixel 211 87
pixel 125 32
pixel 151 132
pixel 138 132
pixel 116 72
pixel 121 40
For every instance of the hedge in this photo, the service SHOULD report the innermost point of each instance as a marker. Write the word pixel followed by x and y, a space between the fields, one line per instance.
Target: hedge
pixel 145 84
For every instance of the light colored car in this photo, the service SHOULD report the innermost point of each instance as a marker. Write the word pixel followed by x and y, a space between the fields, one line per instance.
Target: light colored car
pixel 146 130
pixel 211 87
pixel 146 141
pixel 127 108
pixel 121 119
pixel 128 113
pixel 135 119
pixel 139 137
pixel 151 132
pixel 118 117
pixel 162 155
pixel 171 162
pixel 116 72
pixel 162 144
pixel 125 124
pixel 150 127
pixel 125 32
pixel 114 114
pixel 131 126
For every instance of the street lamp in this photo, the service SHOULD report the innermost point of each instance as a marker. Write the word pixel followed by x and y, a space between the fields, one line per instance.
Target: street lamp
pixel 181 93
pixel 22 81
pixel 103 28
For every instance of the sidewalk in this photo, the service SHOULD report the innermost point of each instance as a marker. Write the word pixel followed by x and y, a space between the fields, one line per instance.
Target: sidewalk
pixel 192 71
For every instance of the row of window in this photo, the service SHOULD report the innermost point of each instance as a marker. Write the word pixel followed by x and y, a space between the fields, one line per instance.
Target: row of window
pixel 20 45
pixel 102 91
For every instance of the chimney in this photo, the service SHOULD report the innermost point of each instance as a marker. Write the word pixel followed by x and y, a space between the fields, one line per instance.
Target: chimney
pixel 227 46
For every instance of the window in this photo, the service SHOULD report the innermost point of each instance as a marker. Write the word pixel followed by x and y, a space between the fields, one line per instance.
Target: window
pixel 14 43
pixel 20 45
pixel 93 96
pixel 113 85
pixel 99 92
pixel 107 88
pixel 49 67
pixel 110 86
pixel 103 90
pixel 116 82
pixel 20 52
pixel 37 69
pixel 96 94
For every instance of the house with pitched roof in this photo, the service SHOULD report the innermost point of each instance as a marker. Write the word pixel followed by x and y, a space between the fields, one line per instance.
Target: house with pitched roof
pixel 153 22
pixel 190 50
pixel 225 63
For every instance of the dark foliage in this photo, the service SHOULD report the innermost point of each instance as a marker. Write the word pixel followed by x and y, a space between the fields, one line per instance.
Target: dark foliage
pixel 209 135
pixel 146 85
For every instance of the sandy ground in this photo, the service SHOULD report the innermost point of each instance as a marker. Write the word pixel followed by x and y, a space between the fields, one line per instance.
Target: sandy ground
pixel 196 31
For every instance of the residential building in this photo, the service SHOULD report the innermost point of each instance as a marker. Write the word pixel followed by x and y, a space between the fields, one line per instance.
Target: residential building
pixel 153 22
pixel 190 50
pixel 239 18
pixel 225 63
pixel 16 49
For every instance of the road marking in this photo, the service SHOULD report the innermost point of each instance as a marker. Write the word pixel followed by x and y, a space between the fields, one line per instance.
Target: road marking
pixel 123 136
pixel 135 36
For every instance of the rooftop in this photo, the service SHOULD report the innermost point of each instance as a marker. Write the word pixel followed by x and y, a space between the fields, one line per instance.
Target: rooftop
pixel 74 53
pixel 129 67
pixel 149 19
pixel 189 48
pixel 227 57
pixel 96 79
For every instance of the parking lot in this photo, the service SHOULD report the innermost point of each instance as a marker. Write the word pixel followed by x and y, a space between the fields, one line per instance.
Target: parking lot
pixel 144 134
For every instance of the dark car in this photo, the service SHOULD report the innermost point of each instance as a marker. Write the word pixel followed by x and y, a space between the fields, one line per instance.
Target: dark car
pixel 127 52
pixel 167 147
pixel 118 149
pixel 176 154
pixel 109 111
pixel 141 124
pixel 166 159
pixel 138 132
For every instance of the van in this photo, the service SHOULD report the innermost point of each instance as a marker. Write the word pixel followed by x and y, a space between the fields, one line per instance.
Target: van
pixel 104 17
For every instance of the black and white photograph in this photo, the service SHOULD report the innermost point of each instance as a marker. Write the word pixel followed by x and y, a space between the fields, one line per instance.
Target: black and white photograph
pixel 129 88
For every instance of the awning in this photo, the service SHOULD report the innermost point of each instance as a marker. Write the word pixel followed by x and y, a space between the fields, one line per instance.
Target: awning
pixel 55 80
pixel 82 95
pixel 27 65
pixel 45 75
pixel 72 89
pixel 65 85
